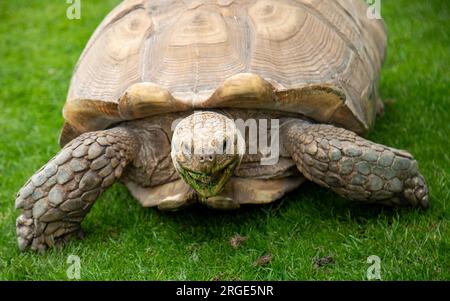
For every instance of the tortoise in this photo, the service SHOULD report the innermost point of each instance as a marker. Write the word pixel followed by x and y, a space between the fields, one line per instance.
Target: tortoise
pixel 166 96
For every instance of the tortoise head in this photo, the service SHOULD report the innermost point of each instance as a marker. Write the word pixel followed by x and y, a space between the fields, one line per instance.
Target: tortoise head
pixel 206 149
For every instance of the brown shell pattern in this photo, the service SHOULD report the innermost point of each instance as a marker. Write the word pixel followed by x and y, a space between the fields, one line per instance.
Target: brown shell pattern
pixel 317 58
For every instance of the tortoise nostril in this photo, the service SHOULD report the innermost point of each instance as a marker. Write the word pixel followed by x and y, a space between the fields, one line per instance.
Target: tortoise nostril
pixel 210 158
pixel 202 159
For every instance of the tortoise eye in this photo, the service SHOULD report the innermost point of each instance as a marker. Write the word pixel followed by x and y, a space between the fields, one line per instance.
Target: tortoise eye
pixel 225 146
pixel 186 149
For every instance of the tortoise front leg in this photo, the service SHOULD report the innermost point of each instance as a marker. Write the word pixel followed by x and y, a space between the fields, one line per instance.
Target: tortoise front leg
pixel 56 199
pixel 354 167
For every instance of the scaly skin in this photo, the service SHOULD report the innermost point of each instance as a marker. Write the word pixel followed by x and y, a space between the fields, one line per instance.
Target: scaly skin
pixel 56 199
pixel 354 167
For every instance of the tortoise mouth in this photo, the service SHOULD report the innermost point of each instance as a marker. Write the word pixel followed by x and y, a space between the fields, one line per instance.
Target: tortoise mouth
pixel 208 184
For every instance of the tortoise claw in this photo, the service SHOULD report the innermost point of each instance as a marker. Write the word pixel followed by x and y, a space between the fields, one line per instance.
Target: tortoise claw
pixel 416 191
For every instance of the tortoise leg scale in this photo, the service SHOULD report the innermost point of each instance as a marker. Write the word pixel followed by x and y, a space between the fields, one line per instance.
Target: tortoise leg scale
pixel 354 167
pixel 57 198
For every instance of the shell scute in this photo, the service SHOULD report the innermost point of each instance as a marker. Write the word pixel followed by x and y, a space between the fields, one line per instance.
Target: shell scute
pixel 317 58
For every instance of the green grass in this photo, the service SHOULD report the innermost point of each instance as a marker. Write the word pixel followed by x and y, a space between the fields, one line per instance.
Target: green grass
pixel 39 48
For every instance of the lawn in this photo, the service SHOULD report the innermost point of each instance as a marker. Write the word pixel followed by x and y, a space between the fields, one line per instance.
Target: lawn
pixel 39 48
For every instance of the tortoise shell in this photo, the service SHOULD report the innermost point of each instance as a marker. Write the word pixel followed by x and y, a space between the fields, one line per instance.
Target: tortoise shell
pixel 318 58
